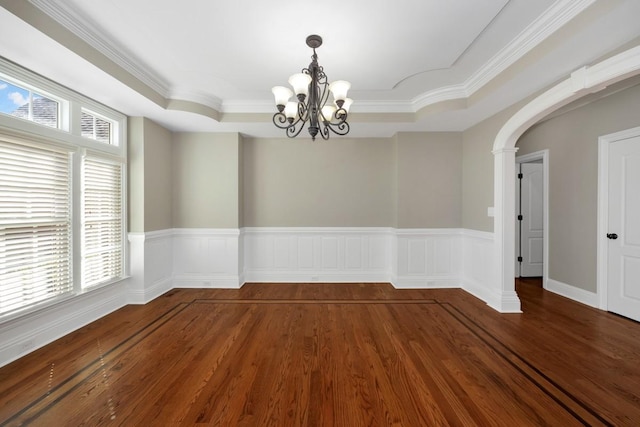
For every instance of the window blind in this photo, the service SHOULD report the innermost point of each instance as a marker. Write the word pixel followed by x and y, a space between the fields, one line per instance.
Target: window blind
pixel 35 224
pixel 102 221
pixel 95 128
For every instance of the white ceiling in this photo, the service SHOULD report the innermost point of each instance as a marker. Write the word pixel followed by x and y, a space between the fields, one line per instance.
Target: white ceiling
pixel 405 56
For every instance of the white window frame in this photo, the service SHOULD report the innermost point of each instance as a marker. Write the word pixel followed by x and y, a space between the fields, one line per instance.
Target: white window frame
pixel 68 136
pixel 113 123
pixel 31 84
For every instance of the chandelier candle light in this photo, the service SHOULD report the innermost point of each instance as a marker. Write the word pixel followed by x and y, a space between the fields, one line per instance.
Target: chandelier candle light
pixel 313 106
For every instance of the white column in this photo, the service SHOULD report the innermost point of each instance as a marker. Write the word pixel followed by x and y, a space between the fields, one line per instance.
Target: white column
pixel 505 299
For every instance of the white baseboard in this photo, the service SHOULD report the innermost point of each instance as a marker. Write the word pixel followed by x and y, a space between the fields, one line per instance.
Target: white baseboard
pixel 315 277
pixel 477 290
pixel 207 282
pixel 149 293
pixel 573 293
pixel 408 282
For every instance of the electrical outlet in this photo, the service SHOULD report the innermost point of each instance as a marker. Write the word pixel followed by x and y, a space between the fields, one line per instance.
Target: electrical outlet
pixel 315 278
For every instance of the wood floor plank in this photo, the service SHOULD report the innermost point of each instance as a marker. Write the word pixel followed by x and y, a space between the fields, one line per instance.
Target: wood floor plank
pixel 334 355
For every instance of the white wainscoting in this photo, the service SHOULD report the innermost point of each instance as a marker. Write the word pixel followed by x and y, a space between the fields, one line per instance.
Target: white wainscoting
pixel 151 265
pixel 227 258
pixel 27 333
pixel 427 258
pixel 478 255
pixel 408 258
pixel 207 258
pixel 317 254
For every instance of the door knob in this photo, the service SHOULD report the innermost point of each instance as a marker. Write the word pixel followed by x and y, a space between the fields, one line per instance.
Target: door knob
pixel 612 236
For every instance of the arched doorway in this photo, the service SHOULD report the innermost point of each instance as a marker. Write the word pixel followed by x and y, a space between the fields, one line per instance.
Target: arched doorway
pixel 582 82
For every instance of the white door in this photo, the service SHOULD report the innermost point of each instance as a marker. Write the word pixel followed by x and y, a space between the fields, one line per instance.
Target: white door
pixel 531 224
pixel 623 262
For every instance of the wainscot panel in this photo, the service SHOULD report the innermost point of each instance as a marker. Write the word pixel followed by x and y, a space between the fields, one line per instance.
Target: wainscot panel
pixel 428 258
pixel 207 258
pixel 317 254
pixel 477 263
pixel 151 265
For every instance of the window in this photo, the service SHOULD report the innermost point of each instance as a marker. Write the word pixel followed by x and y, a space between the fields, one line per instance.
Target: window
pixel 26 104
pixel 62 209
pixel 95 128
pixel 35 224
pixel 102 229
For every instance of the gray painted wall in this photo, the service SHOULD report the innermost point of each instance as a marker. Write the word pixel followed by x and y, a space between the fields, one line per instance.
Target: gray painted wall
pixel 429 180
pixel 572 140
pixel 135 174
pixel 477 172
pixel 149 176
pixel 158 176
pixel 206 180
pixel 342 182
pixel 413 180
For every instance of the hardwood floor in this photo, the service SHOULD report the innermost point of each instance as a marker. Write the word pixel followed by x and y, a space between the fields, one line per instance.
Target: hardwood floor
pixel 334 355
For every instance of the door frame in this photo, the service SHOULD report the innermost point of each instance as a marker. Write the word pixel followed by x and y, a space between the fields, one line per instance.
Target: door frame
pixel 581 82
pixel 603 210
pixel 528 158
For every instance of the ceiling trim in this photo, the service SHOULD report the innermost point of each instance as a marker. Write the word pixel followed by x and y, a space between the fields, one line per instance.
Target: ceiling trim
pixel 360 106
pixel 447 93
pixel 555 17
pixel 560 13
pixel 79 26
pixel 198 97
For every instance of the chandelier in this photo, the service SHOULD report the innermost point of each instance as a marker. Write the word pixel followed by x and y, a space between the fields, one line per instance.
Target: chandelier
pixel 313 106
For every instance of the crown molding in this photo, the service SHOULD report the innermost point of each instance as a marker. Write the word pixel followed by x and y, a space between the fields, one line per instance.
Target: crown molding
pixel 361 106
pixel 197 97
pixel 556 16
pixel 442 94
pixel 248 106
pixel 85 30
pixel 560 13
pixel 377 106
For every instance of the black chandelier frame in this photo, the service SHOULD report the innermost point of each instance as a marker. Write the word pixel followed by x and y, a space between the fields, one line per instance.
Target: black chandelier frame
pixel 309 108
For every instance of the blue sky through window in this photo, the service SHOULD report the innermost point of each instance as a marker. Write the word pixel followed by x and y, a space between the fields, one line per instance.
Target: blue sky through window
pixel 12 97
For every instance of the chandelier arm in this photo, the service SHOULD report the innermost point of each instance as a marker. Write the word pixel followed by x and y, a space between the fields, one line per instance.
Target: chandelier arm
pixel 303 111
pixel 340 115
pixel 292 131
pixel 324 132
pixel 339 129
pixel 279 119
pixel 324 95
